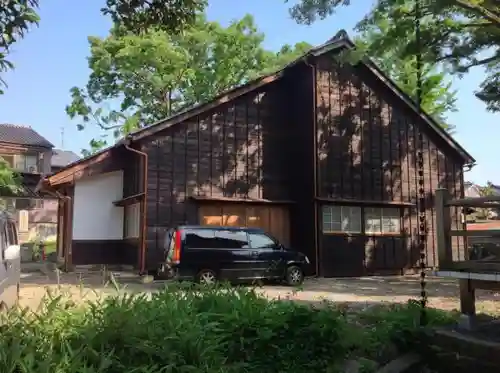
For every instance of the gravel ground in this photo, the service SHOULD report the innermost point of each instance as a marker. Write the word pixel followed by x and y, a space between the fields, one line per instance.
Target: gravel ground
pixel 353 291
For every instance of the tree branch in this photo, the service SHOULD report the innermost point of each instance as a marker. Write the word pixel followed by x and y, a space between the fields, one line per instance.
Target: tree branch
pixel 483 61
pixel 482 11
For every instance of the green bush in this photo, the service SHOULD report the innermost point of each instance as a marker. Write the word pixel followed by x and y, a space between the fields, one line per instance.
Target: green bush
pixel 219 329
pixel 387 330
pixel 203 330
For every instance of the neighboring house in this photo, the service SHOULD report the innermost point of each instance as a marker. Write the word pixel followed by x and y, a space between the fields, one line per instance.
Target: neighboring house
pixel 320 154
pixel 61 159
pixel 31 155
pixel 471 190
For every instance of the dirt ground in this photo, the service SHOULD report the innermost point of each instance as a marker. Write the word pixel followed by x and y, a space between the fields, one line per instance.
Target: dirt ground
pixel 355 292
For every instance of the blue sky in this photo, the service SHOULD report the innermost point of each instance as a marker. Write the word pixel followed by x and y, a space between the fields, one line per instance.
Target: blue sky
pixel 52 59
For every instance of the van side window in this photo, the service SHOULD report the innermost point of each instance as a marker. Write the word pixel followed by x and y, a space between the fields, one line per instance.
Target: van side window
pixel 200 239
pixel 261 241
pixel 231 239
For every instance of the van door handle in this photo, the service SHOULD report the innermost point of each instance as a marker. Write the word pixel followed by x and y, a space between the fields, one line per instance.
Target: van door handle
pixel 255 253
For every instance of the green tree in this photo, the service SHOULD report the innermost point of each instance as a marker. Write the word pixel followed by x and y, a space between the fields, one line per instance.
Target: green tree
pixel 137 79
pixel 9 179
pixel 16 17
pixel 168 15
pixel 438 98
pixel 460 34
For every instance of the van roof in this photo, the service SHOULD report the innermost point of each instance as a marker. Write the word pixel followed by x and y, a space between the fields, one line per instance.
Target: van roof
pixel 221 227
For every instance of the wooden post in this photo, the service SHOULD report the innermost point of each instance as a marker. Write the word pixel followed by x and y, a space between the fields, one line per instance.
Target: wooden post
pixel 467 304
pixel 443 227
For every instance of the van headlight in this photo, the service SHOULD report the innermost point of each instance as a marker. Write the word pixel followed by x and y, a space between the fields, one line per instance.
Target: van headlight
pixel 307 260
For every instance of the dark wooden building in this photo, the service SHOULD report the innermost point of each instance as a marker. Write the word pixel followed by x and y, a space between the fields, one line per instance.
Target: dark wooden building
pixel 321 154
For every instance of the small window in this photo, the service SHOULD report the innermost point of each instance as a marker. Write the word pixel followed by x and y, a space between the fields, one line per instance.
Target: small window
pixel 23 203
pixel 31 163
pixel 132 220
pixel 200 239
pixel 342 219
pixel 382 220
pixel 261 241
pixel 231 239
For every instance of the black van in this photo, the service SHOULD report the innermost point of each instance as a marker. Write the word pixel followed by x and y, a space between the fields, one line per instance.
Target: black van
pixel 206 254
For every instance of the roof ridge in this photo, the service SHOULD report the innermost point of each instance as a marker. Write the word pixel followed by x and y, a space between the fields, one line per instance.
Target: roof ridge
pixel 15 125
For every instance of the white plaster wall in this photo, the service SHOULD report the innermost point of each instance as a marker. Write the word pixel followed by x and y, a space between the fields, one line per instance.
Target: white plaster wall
pixel 94 215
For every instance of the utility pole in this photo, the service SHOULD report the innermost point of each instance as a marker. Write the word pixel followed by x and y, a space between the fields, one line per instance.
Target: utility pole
pixel 62 137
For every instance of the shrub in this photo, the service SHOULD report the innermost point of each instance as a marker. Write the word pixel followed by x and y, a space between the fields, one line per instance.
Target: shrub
pixel 387 330
pixel 219 329
pixel 174 330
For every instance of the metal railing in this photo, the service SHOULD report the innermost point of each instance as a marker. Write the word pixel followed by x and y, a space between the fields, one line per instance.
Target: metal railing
pixel 444 233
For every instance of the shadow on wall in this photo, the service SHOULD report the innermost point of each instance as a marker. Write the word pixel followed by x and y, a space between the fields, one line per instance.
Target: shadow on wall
pixel 234 151
pixel 374 144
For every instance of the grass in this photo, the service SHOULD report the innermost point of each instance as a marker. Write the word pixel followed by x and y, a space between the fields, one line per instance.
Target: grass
pixel 50 247
pixel 220 329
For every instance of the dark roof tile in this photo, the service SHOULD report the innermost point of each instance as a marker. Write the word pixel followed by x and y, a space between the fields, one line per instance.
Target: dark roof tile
pixel 62 158
pixel 22 135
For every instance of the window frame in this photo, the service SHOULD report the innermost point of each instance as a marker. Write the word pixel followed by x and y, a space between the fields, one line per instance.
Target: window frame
pixel 132 221
pixel 381 216
pixel 331 212
pixel 328 210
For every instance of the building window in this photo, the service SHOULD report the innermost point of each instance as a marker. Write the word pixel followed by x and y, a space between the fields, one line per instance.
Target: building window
pixel 22 162
pixel 132 220
pixel 382 220
pixel 341 219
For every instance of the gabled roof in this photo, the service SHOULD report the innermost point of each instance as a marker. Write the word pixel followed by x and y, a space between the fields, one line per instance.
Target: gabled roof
pixel 339 41
pixel 62 158
pixel 22 135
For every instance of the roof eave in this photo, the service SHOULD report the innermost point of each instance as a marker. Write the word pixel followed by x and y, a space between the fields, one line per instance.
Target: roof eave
pixel 468 159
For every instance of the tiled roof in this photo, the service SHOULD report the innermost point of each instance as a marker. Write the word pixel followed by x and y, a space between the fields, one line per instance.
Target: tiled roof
pixel 62 158
pixel 22 135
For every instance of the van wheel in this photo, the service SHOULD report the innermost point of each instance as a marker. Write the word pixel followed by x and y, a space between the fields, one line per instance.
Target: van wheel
pixel 206 277
pixel 294 276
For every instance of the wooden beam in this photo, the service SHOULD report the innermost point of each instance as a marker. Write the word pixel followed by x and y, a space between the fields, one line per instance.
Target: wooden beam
pixel 130 200
pixel 365 202
pixel 443 227
pixel 467 304
pixel 240 200
pixel 475 233
pixel 474 266
pixel 474 201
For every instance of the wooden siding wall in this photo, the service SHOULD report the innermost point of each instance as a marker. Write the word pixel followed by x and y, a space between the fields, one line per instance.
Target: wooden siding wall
pixel 132 173
pixel 299 85
pixel 236 150
pixel 367 151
